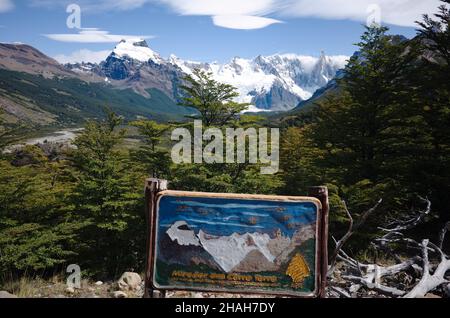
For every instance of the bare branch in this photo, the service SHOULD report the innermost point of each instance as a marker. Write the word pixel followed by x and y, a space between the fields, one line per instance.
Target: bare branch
pixel 351 230
pixel 430 282
pixel 386 290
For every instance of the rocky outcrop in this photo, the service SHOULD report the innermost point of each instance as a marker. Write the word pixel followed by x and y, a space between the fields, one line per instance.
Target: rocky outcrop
pixel 277 98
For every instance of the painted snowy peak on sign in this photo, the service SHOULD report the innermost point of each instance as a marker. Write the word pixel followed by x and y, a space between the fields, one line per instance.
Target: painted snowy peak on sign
pixel 235 236
pixel 248 252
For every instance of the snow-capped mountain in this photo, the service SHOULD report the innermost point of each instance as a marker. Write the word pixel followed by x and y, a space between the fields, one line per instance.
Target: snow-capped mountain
pixel 245 252
pixel 273 82
pixel 276 82
pixel 137 50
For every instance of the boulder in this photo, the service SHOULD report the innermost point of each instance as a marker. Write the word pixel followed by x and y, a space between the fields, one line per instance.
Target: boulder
pixel 70 290
pixel 130 282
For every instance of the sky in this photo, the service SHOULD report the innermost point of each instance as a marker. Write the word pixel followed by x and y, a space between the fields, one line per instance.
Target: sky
pixel 223 217
pixel 202 30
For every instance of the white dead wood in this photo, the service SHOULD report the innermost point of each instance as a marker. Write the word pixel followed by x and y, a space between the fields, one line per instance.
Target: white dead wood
pixel 394 231
pixel 373 276
pixel 390 291
pixel 337 291
pixel 382 279
pixel 430 282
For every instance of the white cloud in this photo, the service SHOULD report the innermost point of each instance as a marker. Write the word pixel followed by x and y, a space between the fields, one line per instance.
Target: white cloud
pixel 396 12
pixel 243 22
pixel 226 12
pixel 6 5
pixel 83 55
pixel 94 36
pixel 233 14
pixel 222 7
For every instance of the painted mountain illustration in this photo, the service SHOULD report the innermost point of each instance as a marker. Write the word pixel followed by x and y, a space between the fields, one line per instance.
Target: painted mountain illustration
pixel 239 253
pixel 180 245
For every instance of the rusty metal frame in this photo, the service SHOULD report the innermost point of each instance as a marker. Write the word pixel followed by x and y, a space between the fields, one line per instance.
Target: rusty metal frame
pixel 155 188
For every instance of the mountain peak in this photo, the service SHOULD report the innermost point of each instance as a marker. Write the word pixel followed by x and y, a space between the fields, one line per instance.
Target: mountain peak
pixel 136 49
pixel 135 42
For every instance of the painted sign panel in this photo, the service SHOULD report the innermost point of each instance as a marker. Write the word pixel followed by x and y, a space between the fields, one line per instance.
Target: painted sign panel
pixel 236 243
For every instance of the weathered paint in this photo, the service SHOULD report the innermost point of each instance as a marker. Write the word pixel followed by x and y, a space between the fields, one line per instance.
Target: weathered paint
pixel 236 243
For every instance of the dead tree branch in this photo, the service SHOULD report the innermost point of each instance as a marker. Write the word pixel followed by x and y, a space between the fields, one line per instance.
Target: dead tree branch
pixel 430 282
pixel 351 230
pixel 355 277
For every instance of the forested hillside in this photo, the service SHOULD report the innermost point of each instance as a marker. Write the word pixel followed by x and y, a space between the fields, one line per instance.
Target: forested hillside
pixel 62 102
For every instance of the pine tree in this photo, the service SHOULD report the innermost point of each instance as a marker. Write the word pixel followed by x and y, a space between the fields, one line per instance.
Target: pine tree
pixel 109 195
pixel 433 172
pixel 156 159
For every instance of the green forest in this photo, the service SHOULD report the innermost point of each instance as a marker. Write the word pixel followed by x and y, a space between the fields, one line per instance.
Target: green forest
pixel 382 133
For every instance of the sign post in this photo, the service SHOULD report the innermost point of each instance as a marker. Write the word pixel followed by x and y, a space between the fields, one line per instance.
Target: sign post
pixel 236 243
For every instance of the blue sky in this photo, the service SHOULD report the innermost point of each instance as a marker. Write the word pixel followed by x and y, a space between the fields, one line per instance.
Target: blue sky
pixel 223 217
pixel 206 30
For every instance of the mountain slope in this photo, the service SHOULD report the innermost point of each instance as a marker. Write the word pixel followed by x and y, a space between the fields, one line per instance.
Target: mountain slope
pixel 63 102
pixel 24 58
pixel 37 90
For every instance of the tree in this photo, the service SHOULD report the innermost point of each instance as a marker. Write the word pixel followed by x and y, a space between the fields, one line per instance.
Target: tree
pixel 366 138
pixel 437 33
pixel 109 195
pixel 214 100
pixel 155 159
pixel 7 134
pixel 38 228
pixel 434 87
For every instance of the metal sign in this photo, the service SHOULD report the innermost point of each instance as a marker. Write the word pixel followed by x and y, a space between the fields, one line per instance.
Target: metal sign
pixel 236 243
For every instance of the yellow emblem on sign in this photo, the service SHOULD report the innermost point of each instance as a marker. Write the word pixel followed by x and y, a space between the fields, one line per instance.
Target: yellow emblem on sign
pixel 298 270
